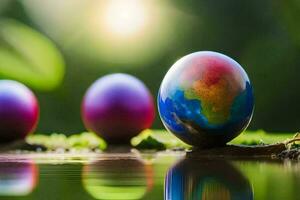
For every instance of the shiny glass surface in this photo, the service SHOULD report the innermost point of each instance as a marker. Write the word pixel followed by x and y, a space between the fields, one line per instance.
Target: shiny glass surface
pixel 206 99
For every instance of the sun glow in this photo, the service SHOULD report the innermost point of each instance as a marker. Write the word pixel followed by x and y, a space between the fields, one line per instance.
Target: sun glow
pixel 125 17
pixel 128 31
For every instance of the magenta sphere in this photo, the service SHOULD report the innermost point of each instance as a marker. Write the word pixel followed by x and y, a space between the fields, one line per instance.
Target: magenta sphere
pixel 118 107
pixel 19 111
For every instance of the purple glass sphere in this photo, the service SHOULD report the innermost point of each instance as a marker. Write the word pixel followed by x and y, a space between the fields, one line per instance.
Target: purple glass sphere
pixel 19 111
pixel 118 107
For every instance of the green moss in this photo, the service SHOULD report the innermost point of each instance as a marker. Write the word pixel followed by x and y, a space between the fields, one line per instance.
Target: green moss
pixel 85 140
pixel 258 137
pixel 157 138
pixel 261 137
pixel 150 143
pixel 148 139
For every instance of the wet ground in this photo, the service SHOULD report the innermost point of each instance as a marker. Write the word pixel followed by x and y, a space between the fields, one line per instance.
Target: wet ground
pixel 153 176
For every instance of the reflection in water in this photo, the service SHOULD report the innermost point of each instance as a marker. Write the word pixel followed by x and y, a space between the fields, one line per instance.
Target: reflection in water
pixel 117 179
pixel 17 178
pixel 274 179
pixel 206 179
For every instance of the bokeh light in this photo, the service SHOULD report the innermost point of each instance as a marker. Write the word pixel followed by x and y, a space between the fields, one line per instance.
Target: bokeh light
pixel 125 18
pixel 127 33
pixel 29 57
pixel 4 4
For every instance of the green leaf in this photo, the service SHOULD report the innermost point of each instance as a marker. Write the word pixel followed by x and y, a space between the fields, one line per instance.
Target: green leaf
pixel 29 57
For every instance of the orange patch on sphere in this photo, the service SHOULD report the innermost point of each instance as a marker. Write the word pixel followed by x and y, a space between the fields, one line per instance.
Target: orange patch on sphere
pixel 216 95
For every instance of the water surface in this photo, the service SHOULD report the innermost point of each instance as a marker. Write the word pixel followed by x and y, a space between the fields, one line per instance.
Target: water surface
pixel 153 176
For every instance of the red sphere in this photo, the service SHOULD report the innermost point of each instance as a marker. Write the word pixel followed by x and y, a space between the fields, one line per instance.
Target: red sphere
pixel 19 111
pixel 118 107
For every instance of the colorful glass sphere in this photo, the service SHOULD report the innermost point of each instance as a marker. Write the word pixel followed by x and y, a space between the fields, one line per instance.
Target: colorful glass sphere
pixel 19 111
pixel 206 99
pixel 118 107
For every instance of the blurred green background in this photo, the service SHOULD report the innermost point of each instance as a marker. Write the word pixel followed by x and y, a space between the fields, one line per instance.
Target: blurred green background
pixel 59 47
